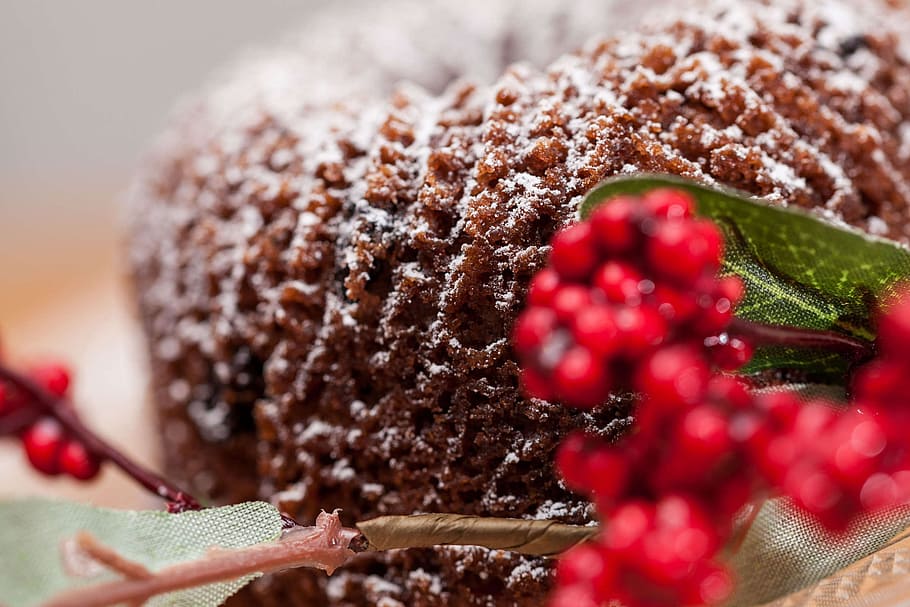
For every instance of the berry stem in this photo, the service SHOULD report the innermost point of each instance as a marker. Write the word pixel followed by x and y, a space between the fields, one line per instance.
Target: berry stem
pixel 178 500
pixel 759 334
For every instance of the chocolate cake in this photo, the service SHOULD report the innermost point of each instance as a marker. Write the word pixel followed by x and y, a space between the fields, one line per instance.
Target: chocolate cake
pixel 328 273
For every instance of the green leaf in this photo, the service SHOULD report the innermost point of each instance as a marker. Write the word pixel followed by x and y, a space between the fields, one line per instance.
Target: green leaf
pixel 31 532
pixel 799 270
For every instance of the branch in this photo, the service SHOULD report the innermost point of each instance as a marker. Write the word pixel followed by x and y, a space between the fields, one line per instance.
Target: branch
pixel 58 408
pixel 539 538
pixel 759 334
pixel 108 557
pixel 325 546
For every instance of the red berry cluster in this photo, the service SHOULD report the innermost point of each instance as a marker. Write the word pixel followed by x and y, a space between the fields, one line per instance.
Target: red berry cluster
pixel 831 463
pixel 636 279
pixel 631 301
pixel 668 493
pixel 837 465
pixel 47 446
pixel 649 554
pixel 722 449
pixel 699 449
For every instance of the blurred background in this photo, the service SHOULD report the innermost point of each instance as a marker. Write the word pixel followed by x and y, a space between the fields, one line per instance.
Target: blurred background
pixel 84 86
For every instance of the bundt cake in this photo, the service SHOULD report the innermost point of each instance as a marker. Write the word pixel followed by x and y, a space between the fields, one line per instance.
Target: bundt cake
pixel 330 245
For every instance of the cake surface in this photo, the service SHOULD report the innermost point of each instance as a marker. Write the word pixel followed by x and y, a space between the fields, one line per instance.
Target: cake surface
pixel 328 276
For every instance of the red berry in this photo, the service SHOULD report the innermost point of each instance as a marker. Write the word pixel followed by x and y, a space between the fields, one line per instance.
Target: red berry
pixel 533 328
pixel 731 288
pixel 882 383
pixel 619 282
pixel 713 242
pixel 641 329
pixel 659 563
pixel 574 254
pixel 857 444
pixel 77 462
pixel 703 433
pixel 714 585
pixel 675 467
pixel 54 378
pixel 816 492
pixel 628 525
pixel 536 385
pixel 731 392
pixel 569 300
pixel 813 420
pixel 728 353
pixel 669 203
pixel 778 456
pixel 543 287
pixel 894 328
pixel 574 596
pixel 751 430
pixel 780 407
pixel 571 458
pixel 43 443
pixel 585 564
pixel 714 315
pixel 673 375
pixel 881 491
pixel 581 378
pixel 867 436
pixel 683 251
pixel 696 537
pixel 673 304
pixel 614 226
pixel 608 473
pixel 850 468
pixel 595 328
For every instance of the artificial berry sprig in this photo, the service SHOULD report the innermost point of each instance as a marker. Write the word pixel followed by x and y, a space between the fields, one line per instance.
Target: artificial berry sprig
pixel 631 300
pixel 35 408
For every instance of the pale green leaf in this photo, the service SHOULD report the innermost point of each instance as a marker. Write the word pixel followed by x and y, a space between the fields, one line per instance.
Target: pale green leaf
pixel 31 533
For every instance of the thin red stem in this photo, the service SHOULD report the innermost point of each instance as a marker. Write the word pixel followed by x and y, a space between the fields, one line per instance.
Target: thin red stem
pixel 759 335
pixel 58 408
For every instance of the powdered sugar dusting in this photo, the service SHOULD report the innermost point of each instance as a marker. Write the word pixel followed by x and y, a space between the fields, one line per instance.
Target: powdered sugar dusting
pixel 330 257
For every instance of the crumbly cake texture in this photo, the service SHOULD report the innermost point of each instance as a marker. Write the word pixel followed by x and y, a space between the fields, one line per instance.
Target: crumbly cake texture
pixel 328 286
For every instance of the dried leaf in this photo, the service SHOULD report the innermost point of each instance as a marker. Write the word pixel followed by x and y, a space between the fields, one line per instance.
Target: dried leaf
pixel 541 538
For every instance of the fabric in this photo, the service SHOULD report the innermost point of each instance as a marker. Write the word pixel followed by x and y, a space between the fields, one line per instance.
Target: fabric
pixel 881 579
pixel 787 550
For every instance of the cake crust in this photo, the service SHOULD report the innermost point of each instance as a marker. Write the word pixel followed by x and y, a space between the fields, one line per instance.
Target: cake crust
pixel 328 288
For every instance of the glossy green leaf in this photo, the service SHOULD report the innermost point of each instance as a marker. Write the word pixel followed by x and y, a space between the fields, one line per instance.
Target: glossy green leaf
pixel 32 531
pixel 799 270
